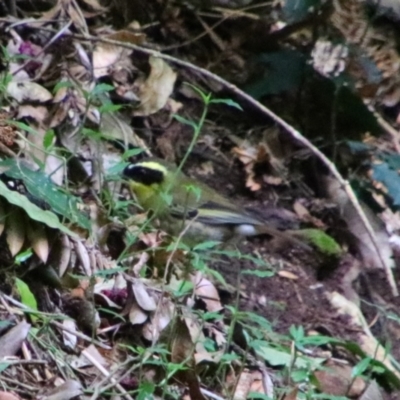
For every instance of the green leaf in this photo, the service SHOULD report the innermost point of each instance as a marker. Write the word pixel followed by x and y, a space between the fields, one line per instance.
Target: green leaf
pixel 48 139
pixel 361 367
pixel 114 172
pixel 262 322
pixel 297 332
pixel 390 178
pixel 217 276
pixel 206 245
pixel 389 376
pixel 145 391
pixel 132 153
pixel 22 257
pixel 27 297
pixel 205 97
pixel 109 107
pixel 185 121
pixel 228 102
pixel 276 357
pixel 42 188
pixel 229 358
pixel 46 217
pixel 102 88
pixel 23 127
pixel 92 133
pixel 63 84
pixel 258 396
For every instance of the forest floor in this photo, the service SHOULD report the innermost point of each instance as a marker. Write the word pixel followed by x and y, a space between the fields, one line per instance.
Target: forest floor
pixel 96 303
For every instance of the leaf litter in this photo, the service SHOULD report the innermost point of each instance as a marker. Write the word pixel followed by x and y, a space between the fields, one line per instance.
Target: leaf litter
pixel 78 106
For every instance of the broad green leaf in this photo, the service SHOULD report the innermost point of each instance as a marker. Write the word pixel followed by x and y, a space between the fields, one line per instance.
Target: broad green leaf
pixel 46 217
pixel 42 189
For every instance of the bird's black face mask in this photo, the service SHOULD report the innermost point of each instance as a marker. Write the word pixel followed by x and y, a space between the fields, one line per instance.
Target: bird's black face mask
pixel 146 176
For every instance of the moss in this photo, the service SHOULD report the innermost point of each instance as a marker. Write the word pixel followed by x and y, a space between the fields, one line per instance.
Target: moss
pixel 323 242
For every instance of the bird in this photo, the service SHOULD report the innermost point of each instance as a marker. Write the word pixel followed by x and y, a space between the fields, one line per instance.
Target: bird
pixel 188 208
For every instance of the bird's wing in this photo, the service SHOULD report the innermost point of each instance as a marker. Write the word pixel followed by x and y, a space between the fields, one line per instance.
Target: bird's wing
pixel 182 212
pixel 212 213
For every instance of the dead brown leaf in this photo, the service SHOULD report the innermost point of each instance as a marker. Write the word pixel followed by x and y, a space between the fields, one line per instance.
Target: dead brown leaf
pixel 38 113
pixel 155 91
pixel 8 396
pixel 28 91
pixel 126 36
pixel 182 351
pixel 144 300
pixel 207 292
pixel 68 390
pixel 107 57
pixel 288 275
pixel 15 230
pixel 37 237
pixel 356 226
pixel 159 319
pixel 337 380
pixel 11 342
pixel 249 381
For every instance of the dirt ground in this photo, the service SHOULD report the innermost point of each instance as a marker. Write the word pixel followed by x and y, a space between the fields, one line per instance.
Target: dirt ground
pixel 297 293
